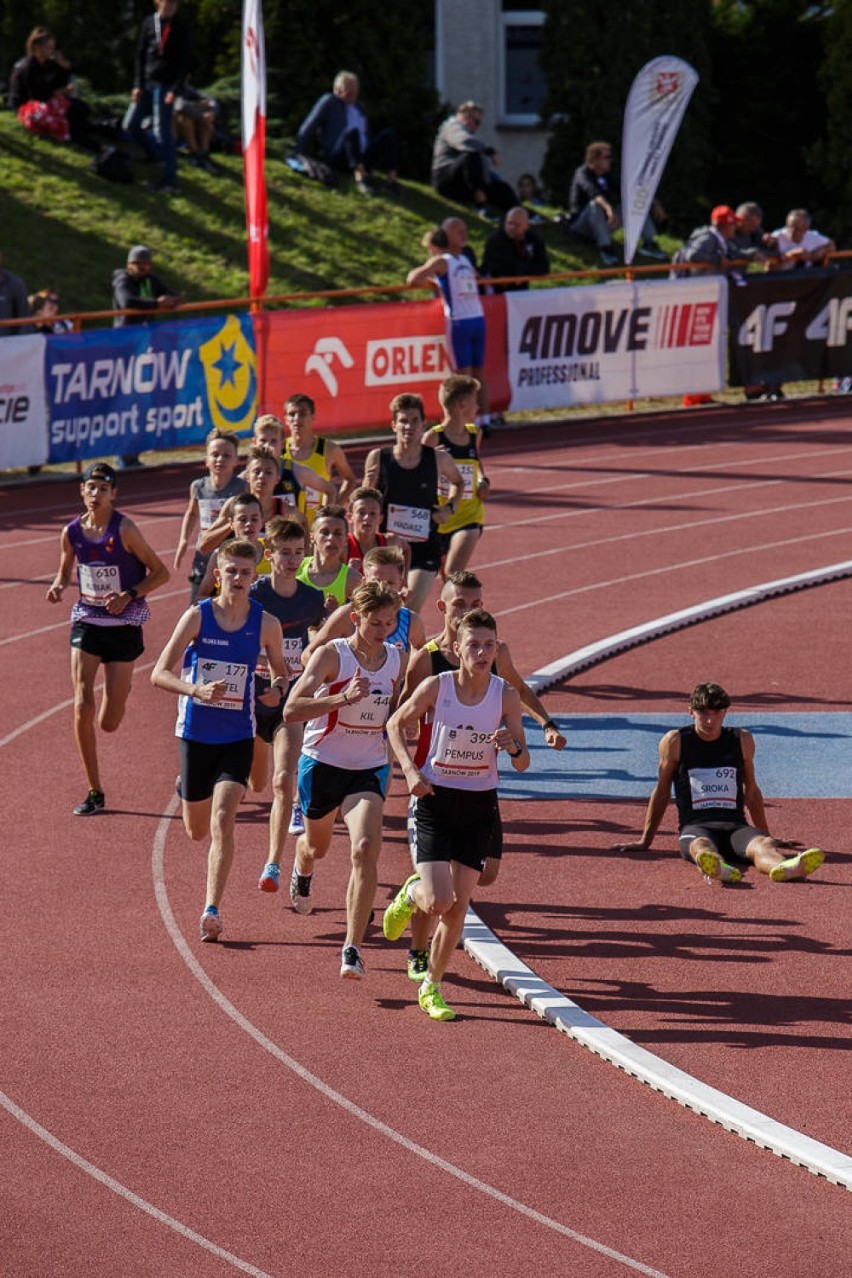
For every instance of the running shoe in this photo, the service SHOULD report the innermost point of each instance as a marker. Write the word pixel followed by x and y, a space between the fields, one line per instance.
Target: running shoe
pixel 268 881
pixel 798 866
pixel 300 892
pixel 713 867
pixel 93 802
pixel 399 912
pixel 418 965
pixel 432 1002
pixel 211 924
pixel 351 963
pixel 297 821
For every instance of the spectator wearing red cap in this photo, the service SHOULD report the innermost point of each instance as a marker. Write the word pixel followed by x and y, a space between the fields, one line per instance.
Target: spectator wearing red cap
pixel 712 245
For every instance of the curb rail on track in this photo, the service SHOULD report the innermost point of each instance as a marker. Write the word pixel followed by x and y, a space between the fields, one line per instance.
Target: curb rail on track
pixel 559 1010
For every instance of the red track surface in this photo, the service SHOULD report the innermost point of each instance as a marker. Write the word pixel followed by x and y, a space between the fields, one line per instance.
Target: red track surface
pixel 179 1070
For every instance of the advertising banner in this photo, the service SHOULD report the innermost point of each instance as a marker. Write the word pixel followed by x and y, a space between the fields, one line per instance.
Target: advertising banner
pixel 615 341
pixel 23 407
pixel 352 360
pixel 655 106
pixel 791 326
pixel 160 386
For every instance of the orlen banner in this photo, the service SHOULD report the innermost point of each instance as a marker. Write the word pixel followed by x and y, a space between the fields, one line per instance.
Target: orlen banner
pixel 353 360
pixel 615 341
pixel 23 409
pixel 157 386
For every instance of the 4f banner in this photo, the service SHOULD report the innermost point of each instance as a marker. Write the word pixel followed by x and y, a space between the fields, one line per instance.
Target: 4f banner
pixel 791 326
pixel 655 106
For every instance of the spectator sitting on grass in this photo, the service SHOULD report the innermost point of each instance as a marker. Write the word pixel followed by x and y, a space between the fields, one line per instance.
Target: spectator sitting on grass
pixel 463 166
pixel 43 94
pixel 344 140
pixel 593 208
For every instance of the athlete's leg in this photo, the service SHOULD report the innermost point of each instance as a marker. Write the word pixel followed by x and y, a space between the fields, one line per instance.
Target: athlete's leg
pixel 196 818
pixel 227 796
pixel 451 924
pixel 709 860
pixel 259 774
pixel 285 755
pixel 461 548
pixel 118 680
pixel 362 814
pixel 314 843
pixel 84 669
pixel 419 587
pixel 766 856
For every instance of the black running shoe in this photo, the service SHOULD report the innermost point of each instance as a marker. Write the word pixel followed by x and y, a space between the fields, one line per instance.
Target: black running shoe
pixel 93 802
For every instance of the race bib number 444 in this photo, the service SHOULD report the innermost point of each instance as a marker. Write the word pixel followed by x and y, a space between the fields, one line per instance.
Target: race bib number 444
pixel 713 787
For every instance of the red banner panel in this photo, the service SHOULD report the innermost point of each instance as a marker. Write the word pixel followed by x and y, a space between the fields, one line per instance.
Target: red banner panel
pixel 353 360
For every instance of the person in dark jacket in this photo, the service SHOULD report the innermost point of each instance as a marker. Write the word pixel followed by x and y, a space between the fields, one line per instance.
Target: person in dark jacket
pixel 43 75
pixel 136 288
pixel 594 210
pixel 344 140
pixel 14 303
pixel 163 60
pixel 514 250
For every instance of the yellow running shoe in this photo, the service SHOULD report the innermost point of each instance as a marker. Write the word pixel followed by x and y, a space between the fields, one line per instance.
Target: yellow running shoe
pixel 798 866
pixel 399 912
pixel 418 965
pixel 432 1002
pixel 711 864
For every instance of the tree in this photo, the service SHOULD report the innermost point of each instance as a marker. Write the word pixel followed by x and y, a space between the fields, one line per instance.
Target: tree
pixel 591 54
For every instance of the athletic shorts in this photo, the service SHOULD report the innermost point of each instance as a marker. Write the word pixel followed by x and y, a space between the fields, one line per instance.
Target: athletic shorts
pixel 203 766
pixel 322 787
pixel 427 555
pixel 447 537
pixel 467 338
pixel 729 838
pixel 495 849
pixel 267 721
pixel 110 643
pixel 458 825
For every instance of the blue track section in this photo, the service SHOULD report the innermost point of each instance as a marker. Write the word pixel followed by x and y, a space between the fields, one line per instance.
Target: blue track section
pixel 798 756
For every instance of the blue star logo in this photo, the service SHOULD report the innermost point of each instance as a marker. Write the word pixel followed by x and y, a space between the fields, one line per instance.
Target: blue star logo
pixel 227 365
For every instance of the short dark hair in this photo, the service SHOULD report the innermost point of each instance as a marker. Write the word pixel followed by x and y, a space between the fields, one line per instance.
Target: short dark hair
pixel 708 696
pixel 305 400
pixel 406 402
pixel 477 619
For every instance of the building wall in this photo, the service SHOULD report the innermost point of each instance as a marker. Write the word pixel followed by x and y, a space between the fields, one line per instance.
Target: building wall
pixel 468 64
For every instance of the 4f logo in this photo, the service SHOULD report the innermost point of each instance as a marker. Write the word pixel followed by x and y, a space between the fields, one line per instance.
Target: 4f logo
pixel 766 322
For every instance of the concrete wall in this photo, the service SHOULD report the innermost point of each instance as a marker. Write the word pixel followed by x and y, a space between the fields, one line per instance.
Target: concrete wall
pixel 468 40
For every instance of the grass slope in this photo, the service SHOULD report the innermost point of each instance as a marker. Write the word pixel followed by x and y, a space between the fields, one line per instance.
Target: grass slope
pixel 66 228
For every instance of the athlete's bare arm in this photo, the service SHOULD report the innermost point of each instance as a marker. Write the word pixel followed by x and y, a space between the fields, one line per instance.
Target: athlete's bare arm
pixel 506 670
pixel 661 794
pixel 65 570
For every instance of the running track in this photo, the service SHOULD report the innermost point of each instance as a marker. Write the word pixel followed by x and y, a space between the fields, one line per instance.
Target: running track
pixel 173 1110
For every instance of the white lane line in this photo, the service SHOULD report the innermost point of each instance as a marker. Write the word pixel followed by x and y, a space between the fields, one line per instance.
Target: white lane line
pixel 337 1098
pixel 123 1192
pixel 549 1003
pixel 661 530
pixel 677 567
pixel 66 624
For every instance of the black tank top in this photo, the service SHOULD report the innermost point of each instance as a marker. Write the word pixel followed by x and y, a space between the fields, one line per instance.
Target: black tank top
pixel 417 487
pixel 708 783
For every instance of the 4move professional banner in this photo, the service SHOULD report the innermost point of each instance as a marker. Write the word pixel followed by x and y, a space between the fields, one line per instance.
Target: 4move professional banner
pixel 23 409
pixel 615 341
pixel 148 386
pixel 791 326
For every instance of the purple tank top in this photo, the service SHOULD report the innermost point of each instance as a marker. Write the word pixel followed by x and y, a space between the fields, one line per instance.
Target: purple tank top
pixel 105 566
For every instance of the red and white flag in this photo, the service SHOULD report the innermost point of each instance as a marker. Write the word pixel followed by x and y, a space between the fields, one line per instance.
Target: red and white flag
pixel 652 116
pixel 254 146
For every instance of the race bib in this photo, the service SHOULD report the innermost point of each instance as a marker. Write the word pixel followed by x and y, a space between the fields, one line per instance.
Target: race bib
pixel 369 715
pixel 466 284
pixel 461 752
pixel 467 469
pixel 97 581
pixel 235 677
pixel 713 787
pixel 209 510
pixel 414 523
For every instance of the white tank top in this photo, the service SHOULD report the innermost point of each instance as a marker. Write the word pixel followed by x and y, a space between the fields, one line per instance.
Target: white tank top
pixel 459 289
pixel 353 736
pixel 461 752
